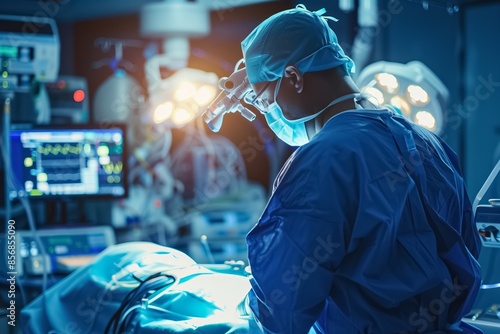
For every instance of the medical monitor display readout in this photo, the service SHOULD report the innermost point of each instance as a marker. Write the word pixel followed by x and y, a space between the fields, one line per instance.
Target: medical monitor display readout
pixel 61 162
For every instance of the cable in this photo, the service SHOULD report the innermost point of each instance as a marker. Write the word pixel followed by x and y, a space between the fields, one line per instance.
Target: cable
pixel 121 323
pixel 114 318
pixel 152 283
pixel 108 287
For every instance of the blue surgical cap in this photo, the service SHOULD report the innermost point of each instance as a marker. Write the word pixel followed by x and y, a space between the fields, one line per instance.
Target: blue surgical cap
pixel 292 37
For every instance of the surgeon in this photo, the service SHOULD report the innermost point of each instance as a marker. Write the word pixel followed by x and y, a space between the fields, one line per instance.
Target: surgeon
pixel 369 227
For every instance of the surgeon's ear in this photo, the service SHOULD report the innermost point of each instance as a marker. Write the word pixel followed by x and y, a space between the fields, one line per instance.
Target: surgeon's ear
pixel 295 78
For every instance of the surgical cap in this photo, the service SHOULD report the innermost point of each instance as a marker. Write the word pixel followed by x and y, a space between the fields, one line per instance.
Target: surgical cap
pixel 292 37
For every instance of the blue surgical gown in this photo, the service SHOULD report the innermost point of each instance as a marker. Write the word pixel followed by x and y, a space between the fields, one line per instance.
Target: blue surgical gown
pixel 369 230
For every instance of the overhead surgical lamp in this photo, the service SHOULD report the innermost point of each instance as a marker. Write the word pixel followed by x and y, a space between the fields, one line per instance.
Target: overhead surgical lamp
pixel 183 96
pixel 179 98
pixel 412 88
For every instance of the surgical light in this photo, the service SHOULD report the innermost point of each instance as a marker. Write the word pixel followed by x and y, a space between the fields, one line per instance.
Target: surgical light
pixel 425 119
pixel 181 97
pixel 205 95
pixel 387 81
pixel 178 99
pixel 417 95
pixel 163 112
pixel 185 91
pixel 412 88
pixel 182 116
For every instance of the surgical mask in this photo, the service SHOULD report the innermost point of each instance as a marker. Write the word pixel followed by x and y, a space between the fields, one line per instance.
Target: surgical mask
pixel 293 132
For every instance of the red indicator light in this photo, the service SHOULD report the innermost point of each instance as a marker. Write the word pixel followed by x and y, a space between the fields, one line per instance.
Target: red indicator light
pixel 78 95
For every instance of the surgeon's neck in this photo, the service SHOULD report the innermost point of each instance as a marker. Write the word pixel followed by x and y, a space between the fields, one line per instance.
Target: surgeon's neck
pixel 329 89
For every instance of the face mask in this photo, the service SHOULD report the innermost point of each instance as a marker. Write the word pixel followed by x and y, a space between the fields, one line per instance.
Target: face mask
pixel 294 132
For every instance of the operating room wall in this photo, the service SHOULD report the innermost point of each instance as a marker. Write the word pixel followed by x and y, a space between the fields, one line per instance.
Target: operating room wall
pixel 66 66
pixel 481 104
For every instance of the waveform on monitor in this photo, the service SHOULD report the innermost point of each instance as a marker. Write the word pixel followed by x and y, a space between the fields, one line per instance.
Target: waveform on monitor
pixel 60 149
pixel 113 168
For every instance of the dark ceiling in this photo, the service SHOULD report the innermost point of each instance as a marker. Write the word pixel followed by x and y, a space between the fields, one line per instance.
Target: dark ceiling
pixel 80 10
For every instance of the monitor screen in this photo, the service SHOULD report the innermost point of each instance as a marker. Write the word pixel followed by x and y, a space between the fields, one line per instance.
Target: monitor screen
pixel 71 161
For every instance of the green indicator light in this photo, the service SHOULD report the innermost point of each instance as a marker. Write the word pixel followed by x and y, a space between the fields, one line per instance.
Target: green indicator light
pixel 36 192
pixel 5 74
pixel 5 84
